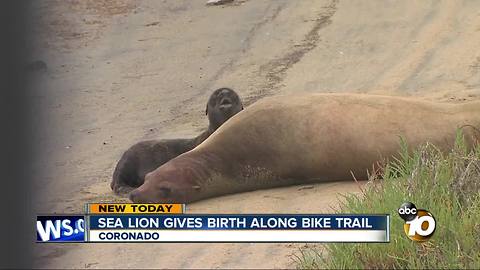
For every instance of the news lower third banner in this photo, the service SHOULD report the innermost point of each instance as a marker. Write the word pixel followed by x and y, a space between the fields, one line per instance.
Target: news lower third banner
pixel 170 223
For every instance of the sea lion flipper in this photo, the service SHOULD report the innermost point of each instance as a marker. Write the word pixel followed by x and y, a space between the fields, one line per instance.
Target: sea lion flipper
pixel 123 190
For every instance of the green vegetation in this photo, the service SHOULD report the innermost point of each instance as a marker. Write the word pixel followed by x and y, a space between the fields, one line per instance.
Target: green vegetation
pixel 446 184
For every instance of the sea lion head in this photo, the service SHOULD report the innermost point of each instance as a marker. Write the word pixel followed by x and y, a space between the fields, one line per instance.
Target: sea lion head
pixel 222 104
pixel 168 184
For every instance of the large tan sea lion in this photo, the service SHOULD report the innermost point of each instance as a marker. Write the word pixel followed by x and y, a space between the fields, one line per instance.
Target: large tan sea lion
pixel 146 156
pixel 300 139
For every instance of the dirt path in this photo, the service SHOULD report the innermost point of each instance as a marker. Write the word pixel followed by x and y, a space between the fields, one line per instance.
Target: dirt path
pixel 123 71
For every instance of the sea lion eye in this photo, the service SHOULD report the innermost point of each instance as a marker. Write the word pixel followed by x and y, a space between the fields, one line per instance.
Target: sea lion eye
pixel 165 192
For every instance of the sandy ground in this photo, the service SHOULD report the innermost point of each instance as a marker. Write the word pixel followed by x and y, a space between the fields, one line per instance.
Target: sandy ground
pixel 124 71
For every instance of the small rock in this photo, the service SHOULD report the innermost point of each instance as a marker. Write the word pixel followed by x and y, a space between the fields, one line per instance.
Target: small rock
pixel 152 24
pixel 217 2
pixel 305 187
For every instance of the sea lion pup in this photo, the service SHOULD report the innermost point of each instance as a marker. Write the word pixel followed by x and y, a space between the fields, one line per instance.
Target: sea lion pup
pixel 288 140
pixel 146 156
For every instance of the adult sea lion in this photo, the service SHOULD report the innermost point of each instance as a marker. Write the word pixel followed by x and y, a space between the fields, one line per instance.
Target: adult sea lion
pixel 146 156
pixel 289 140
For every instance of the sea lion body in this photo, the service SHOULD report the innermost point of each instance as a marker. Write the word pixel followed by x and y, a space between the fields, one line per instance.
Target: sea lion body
pixel 289 140
pixel 146 156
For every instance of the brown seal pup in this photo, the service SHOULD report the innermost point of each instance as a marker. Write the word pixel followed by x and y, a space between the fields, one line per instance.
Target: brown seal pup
pixel 289 140
pixel 146 156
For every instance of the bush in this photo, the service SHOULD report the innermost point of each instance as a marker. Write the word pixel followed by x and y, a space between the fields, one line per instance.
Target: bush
pixel 446 184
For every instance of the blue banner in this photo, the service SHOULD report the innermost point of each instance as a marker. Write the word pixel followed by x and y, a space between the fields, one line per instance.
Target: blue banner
pixel 240 222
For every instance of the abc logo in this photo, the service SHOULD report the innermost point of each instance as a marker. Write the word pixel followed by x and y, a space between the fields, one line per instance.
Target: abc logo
pixel 419 224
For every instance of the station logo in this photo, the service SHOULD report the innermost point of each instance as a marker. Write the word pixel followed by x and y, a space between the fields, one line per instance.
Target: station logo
pixel 60 228
pixel 419 223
